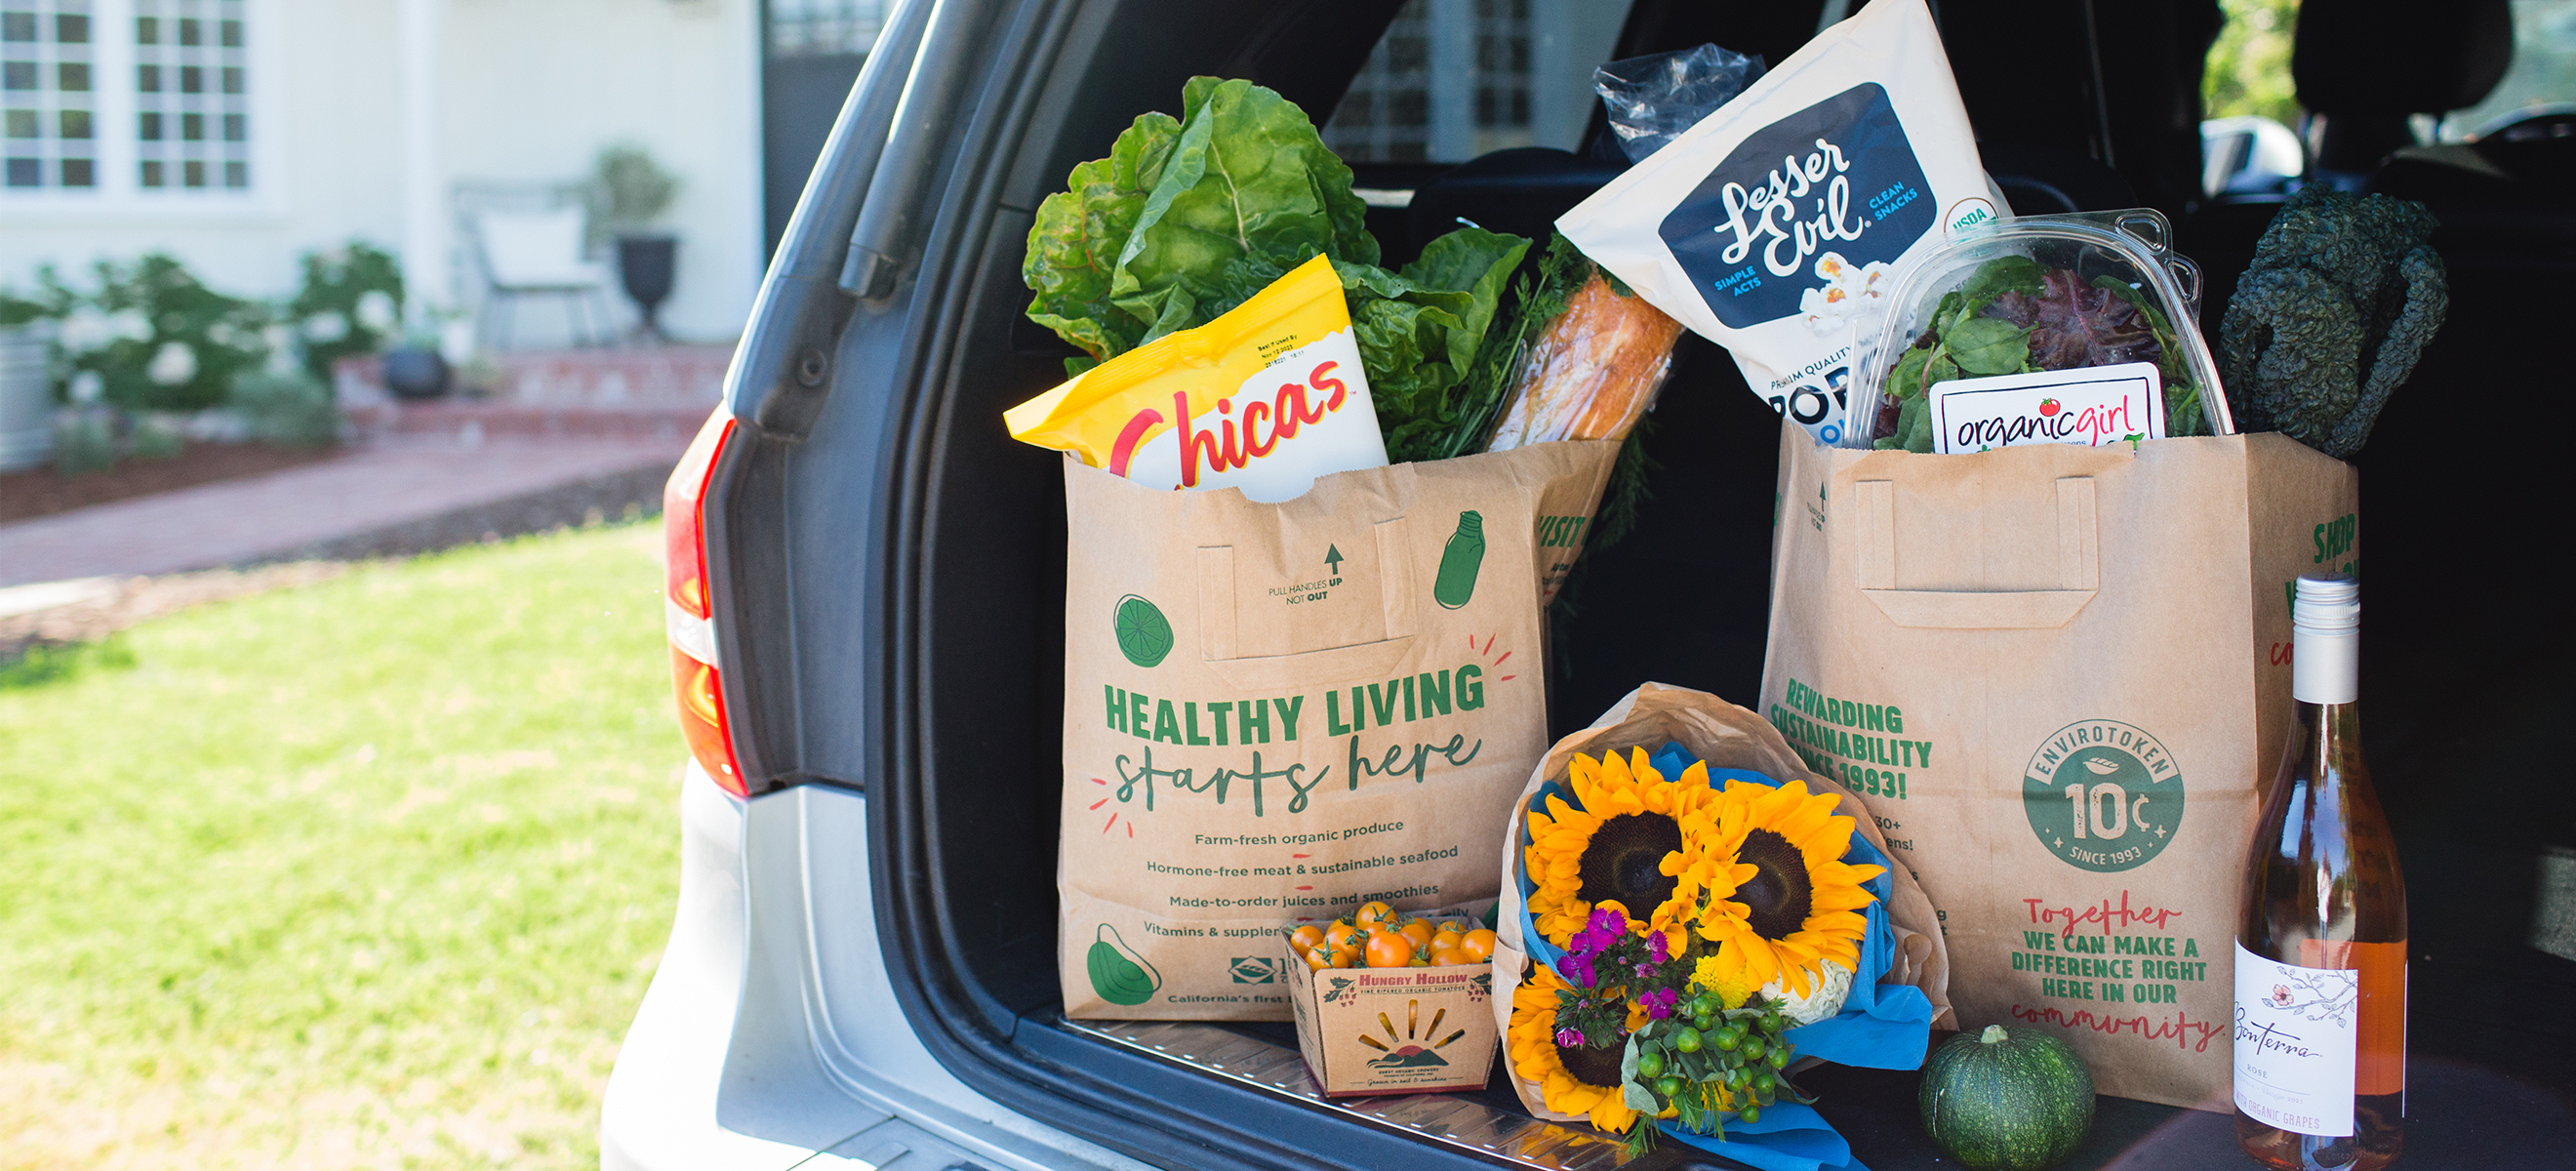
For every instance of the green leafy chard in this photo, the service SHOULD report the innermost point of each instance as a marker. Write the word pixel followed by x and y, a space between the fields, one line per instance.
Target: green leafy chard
pixel 1075 245
pixel 1188 218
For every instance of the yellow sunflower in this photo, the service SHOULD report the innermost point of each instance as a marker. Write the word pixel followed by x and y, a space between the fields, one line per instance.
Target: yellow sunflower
pixel 1582 1080
pixel 1800 904
pixel 1613 848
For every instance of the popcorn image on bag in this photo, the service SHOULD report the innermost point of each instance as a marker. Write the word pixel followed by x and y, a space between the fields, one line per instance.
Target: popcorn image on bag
pixel 1849 290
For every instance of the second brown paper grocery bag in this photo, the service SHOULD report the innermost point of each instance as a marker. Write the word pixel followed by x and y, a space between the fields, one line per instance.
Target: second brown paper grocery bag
pixel 1276 711
pixel 2059 678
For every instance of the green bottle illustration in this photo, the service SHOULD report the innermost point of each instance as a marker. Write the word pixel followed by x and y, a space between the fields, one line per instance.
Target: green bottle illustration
pixel 1459 562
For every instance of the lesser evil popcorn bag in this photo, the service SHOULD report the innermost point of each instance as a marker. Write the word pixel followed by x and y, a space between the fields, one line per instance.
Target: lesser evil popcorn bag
pixel 1281 710
pixel 2059 677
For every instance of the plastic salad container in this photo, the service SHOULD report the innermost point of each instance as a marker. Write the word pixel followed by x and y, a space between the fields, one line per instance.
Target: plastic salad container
pixel 2021 304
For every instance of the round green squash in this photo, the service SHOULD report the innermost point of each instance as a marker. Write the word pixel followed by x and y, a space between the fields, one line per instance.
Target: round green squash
pixel 1999 1102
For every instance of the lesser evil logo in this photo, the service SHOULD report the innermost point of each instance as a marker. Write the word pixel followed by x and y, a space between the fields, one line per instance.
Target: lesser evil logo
pixel 1838 177
pixel 2103 795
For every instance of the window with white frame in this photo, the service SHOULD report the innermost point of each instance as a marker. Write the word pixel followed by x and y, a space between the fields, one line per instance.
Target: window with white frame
pixel 192 94
pixel 809 28
pixel 131 102
pixel 47 108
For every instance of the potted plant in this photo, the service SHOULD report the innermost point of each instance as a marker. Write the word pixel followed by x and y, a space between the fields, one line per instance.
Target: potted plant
pixel 628 192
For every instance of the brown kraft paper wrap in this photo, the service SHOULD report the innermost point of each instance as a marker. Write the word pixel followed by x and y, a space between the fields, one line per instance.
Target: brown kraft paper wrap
pixel 2059 678
pixel 1279 711
pixel 1723 735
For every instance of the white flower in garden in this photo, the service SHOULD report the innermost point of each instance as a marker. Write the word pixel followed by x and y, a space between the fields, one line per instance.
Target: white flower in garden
pixel 325 327
pixel 175 364
pixel 130 324
pixel 86 329
pixel 376 310
pixel 87 387
pixel 223 334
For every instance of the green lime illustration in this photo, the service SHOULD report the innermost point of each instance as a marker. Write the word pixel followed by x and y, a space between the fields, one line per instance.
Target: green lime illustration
pixel 1144 635
pixel 1118 975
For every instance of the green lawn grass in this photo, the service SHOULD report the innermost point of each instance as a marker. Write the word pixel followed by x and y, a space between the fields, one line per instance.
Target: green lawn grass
pixel 371 873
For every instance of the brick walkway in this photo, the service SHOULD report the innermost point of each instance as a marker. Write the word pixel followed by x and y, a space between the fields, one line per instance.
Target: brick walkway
pixel 386 497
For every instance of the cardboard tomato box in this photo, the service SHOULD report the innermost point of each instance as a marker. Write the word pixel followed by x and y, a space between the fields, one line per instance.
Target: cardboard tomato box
pixel 1394 1030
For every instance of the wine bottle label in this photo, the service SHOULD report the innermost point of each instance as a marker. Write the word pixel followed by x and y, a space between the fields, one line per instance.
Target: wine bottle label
pixel 2298 1034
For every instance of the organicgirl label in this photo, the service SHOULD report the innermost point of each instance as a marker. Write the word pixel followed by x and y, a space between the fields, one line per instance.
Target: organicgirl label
pixel 1775 227
pixel 2298 1041
pixel 2091 407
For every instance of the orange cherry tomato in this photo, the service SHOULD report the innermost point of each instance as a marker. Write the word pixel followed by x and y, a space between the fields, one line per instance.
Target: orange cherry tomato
pixel 1349 956
pixel 1450 956
pixel 1388 949
pixel 1307 936
pixel 1317 958
pixel 1446 937
pixel 1373 914
pixel 1419 931
pixel 1479 944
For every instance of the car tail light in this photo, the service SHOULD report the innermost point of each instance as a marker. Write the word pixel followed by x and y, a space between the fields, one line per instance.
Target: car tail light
pixel 687 608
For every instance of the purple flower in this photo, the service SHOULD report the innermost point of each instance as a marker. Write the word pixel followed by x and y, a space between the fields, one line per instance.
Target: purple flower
pixel 1661 1002
pixel 1610 921
pixel 1577 970
pixel 1568 1039
pixel 1655 946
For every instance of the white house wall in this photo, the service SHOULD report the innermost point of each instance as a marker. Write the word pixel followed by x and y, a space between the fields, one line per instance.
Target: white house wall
pixel 337 172
pixel 533 89
pixel 530 90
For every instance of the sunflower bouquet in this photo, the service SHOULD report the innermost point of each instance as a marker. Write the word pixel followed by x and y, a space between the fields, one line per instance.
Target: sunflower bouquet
pixel 1692 932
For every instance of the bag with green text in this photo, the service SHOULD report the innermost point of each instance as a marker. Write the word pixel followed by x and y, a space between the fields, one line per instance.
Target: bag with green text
pixel 1282 710
pixel 2059 678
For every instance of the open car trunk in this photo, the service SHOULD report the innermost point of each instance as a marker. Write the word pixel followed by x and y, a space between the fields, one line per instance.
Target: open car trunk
pixel 891 569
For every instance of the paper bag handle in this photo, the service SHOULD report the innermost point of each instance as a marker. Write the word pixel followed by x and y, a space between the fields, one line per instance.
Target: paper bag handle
pixel 2079 569
pixel 1367 660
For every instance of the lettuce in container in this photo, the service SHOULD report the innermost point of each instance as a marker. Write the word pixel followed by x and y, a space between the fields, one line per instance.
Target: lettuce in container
pixel 2031 297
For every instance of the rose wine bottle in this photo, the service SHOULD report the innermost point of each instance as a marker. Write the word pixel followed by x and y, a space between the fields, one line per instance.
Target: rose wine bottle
pixel 2320 1051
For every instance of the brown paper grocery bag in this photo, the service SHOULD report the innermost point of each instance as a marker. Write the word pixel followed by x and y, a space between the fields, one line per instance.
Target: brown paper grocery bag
pixel 1725 736
pixel 2059 677
pixel 1280 711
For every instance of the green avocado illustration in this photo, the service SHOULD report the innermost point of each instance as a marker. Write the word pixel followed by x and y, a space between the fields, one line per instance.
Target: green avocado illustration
pixel 1144 635
pixel 1119 975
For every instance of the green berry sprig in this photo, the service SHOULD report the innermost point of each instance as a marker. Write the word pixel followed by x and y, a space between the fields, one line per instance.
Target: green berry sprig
pixel 1705 1055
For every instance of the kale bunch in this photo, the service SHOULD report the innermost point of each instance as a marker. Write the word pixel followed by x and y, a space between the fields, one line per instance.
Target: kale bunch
pixel 2016 315
pixel 2342 297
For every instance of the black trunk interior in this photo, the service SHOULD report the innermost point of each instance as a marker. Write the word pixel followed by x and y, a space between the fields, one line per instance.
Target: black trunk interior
pixel 2463 672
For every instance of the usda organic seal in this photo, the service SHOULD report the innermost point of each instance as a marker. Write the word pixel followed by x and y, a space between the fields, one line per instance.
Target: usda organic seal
pixel 2103 795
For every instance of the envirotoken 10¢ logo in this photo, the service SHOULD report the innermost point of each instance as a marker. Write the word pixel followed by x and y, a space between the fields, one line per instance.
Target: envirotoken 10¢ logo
pixel 2103 795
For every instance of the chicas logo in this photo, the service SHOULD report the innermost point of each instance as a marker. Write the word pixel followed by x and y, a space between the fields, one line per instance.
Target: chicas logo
pixel 1839 175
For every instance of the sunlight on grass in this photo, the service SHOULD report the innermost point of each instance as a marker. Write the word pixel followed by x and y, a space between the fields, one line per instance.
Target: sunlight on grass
pixel 366 874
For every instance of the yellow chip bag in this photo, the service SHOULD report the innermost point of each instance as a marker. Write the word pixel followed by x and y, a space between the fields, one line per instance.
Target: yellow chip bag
pixel 1265 398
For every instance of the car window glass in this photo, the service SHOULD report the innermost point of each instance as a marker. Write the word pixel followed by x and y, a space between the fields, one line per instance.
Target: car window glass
pixel 2543 73
pixel 1454 79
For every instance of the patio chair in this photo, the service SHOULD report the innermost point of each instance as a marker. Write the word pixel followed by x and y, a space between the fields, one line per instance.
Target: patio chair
pixel 537 252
